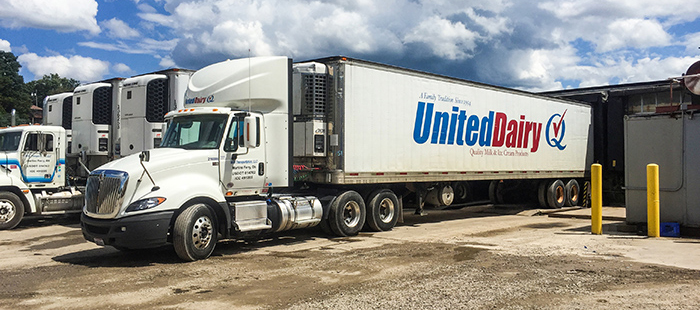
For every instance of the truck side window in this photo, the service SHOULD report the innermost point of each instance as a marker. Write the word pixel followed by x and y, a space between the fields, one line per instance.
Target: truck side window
pixel 48 145
pixel 233 137
pixel 32 143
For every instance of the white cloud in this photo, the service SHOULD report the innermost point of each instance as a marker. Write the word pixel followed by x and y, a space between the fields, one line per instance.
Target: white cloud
pixel 84 69
pixel 5 46
pixel 119 29
pixel 146 46
pixel 59 15
pixel 446 39
pixel 534 46
pixel 166 62
pixel 146 8
pixel 318 28
pixel 122 68
pixel 634 33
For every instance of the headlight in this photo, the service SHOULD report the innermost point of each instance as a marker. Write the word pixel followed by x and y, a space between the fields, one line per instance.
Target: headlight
pixel 144 204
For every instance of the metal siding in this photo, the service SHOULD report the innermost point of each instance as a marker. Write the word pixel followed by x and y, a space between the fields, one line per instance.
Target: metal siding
pixel 658 140
pixel 380 113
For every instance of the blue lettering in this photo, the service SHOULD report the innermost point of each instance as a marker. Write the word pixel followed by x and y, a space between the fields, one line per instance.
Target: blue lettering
pixel 441 118
pixel 421 136
pixel 460 127
pixel 472 130
pixel 453 124
pixel 486 130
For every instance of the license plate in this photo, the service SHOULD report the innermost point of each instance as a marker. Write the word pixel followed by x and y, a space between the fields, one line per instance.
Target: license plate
pixel 99 241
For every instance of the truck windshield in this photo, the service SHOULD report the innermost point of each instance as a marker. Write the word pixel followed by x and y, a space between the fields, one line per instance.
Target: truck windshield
pixel 195 132
pixel 9 141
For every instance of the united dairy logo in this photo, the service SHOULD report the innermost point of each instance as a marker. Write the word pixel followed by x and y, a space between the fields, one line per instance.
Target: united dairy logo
pixel 196 100
pixel 554 133
pixel 496 129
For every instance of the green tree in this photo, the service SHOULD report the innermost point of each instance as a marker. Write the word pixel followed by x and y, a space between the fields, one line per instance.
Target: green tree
pixel 13 94
pixel 48 85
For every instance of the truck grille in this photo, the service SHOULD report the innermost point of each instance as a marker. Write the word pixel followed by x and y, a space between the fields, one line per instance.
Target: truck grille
pixel 104 193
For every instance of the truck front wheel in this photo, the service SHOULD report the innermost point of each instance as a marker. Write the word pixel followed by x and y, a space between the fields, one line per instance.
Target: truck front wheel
pixel 11 210
pixel 382 210
pixel 346 214
pixel 194 233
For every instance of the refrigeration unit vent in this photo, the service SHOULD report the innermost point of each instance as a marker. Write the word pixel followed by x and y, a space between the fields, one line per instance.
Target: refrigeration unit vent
pixel 315 95
pixel 156 100
pixel 67 117
pixel 102 106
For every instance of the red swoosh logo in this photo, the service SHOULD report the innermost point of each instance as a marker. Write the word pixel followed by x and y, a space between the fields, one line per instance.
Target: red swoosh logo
pixel 557 126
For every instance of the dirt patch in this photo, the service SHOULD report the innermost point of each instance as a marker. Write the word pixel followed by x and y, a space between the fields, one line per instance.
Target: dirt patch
pixel 472 263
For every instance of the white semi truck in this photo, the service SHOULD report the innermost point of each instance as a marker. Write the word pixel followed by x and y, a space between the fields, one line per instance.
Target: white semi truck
pixel 104 116
pixel 264 145
pixel 33 178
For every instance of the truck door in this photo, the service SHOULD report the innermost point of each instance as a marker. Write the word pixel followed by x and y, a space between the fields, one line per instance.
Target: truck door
pixel 243 170
pixel 38 159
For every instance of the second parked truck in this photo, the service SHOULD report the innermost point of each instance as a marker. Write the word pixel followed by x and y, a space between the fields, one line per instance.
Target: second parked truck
pixel 265 145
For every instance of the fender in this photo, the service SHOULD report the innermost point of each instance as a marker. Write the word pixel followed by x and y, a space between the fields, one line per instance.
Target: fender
pixel 12 183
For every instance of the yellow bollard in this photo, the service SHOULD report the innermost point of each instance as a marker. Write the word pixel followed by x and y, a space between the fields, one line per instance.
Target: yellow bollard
pixel 653 222
pixel 597 199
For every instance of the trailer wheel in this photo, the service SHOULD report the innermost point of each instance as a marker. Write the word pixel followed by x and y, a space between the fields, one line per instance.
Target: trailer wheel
pixel 542 194
pixel 496 192
pixel 573 193
pixel 441 195
pixel 463 191
pixel 556 194
pixel 11 210
pixel 346 214
pixel 194 233
pixel 382 210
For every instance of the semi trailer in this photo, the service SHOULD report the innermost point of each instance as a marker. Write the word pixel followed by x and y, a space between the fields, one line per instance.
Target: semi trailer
pixel 264 145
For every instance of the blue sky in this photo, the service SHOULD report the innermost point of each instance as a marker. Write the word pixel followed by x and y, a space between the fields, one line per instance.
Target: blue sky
pixel 537 46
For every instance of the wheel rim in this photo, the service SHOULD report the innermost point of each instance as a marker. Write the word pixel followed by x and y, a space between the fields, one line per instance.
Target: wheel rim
pixel 351 214
pixel 447 194
pixel 7 211
pixel 574 193
pixel 560 194
pixel 386 210
pixel 202 232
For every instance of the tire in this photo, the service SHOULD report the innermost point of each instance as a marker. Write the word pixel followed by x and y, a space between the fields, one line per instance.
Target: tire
pixel 556 194
pixel 382 210
pixel 194 233
pixel 573 193
pixel 496 192
pixel 542 194
pixel 11 210
pixel 442 195
pixel 346 214
pixel 463 192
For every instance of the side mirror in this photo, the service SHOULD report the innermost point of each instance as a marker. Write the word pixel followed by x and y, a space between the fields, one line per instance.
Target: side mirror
pixel 251 131
pixel 145 156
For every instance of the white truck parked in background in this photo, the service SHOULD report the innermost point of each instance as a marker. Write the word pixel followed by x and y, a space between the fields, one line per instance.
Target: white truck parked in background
pixel 343 143
pixel 58 111
pixel 33 178
pixel 142 125
pixel 39 181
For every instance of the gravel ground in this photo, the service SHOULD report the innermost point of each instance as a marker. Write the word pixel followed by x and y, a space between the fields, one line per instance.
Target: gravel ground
pixel 465 259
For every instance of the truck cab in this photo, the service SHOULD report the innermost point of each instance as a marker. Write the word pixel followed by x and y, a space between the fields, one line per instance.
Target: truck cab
pixel 212 171
pixel 33 177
